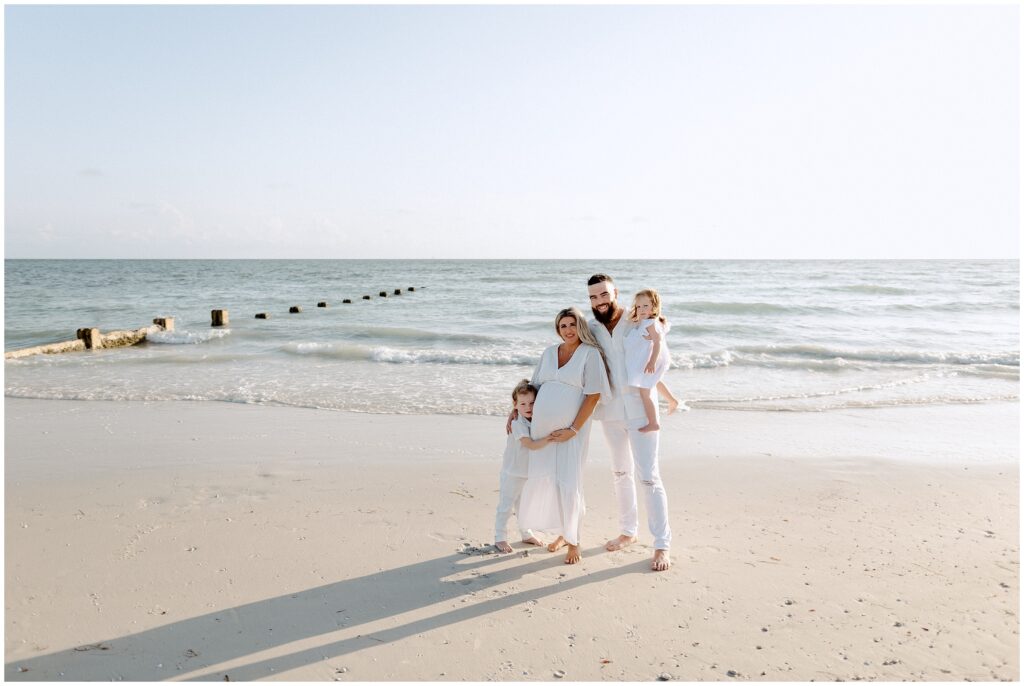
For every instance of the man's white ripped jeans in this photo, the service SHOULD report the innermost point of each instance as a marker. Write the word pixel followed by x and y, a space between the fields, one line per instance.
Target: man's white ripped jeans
pixel 637 453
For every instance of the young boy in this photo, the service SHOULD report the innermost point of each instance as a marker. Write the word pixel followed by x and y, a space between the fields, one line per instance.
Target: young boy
pixel 514 466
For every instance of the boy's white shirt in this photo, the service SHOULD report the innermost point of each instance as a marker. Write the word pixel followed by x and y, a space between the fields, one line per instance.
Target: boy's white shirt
pixel 516 460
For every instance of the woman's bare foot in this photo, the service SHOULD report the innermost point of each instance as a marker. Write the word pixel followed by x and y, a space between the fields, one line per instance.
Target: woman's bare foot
pixel 533 540
pixel 503 547
pixel 620 542
pixel 673 405
pixel 660 562
pixel 572 555
pixel 556 544
pixel 653 426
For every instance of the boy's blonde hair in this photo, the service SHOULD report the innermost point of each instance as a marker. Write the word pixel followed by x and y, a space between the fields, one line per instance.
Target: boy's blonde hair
pixel 523 386
pixel 655 299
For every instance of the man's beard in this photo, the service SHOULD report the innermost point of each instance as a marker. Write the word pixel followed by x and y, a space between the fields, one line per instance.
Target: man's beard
pixel 604 317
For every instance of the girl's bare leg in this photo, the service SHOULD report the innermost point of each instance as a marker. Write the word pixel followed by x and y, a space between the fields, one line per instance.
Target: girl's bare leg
pixel 650 410
pixel 673 402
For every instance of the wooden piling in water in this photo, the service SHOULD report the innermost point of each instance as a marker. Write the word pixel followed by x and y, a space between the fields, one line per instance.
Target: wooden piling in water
pixel 218 317
pixel 92 338
pixel 294 309
pixel 262 315
pixel 321 304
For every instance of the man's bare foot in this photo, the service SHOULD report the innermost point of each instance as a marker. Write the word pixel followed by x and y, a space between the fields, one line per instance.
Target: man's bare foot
pixel 503 547
pixel 533 540
pixel 653 426
pixel 556 544
pixel 673 405
pixel 572 555
pixel 660 562
pixel 620 542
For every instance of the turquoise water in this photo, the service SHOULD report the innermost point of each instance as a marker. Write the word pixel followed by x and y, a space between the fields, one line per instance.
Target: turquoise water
pixel 747 335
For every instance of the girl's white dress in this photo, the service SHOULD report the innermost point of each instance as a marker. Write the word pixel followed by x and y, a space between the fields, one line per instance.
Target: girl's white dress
pixel 638 351
pixel 552 499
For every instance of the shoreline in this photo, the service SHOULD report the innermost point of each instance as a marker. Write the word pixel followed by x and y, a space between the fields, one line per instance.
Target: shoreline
pixel 984 433
pixel 202 540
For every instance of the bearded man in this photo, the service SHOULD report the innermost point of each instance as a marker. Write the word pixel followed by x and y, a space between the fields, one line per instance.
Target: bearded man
pixel 621 414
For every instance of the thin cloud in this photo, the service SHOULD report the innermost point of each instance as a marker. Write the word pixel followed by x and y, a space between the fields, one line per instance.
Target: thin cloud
pixel 46 233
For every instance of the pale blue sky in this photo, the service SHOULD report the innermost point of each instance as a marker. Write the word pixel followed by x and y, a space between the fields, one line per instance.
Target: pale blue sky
pixel 471 131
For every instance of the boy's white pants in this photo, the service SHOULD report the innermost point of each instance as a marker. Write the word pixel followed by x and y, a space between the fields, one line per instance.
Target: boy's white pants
pixel 635 452
pixel 510 489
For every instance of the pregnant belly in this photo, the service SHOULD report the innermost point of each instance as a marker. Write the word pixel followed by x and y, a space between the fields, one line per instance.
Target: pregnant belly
pixel 556 406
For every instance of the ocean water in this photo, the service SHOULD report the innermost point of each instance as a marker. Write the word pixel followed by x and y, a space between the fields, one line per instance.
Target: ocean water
pixel 804 336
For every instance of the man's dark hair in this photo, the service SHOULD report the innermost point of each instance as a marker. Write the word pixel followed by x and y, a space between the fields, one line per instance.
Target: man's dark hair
pixel 599 278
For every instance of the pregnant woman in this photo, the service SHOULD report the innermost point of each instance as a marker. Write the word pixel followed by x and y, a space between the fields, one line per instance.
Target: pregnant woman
pixel 571 377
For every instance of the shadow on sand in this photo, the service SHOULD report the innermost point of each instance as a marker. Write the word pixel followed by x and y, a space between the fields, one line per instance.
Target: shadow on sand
pixel 196 648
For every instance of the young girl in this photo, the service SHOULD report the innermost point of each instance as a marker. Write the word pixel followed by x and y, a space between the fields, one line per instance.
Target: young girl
pixel 647 355
pixel 515 466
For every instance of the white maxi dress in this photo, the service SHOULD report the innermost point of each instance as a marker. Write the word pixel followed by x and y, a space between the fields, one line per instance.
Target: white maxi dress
pixel 552 498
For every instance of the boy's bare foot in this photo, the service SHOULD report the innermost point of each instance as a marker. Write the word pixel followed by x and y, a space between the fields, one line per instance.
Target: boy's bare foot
pixel 533 540
pixel 572 555
pixel 556 544
pixel 620 542
pixel 503 547
pixel 673 405
pixel 660 562
pixel 653 426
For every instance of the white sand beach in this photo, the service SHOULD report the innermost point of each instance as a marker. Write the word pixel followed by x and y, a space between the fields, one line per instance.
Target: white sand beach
pixel 214 541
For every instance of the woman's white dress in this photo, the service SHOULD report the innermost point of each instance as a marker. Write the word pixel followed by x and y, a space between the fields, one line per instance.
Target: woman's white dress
pixel 638 351
pixel 552 499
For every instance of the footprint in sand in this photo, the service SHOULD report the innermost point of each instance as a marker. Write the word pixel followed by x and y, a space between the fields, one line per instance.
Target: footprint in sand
pixel 446 538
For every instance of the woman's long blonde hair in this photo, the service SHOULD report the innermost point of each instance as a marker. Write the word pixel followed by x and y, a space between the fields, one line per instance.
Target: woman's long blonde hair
pixel 585 334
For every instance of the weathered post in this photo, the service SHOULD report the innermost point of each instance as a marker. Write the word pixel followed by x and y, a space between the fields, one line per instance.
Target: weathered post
pixel 262 315
pixel 346 301
pixel 411 288
pixel 294 309
pixel 383 294
pixel 321 304
pixel 166 323
pixel 219 317
pixel 366 297
pixel 398 291
pixel 92 338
